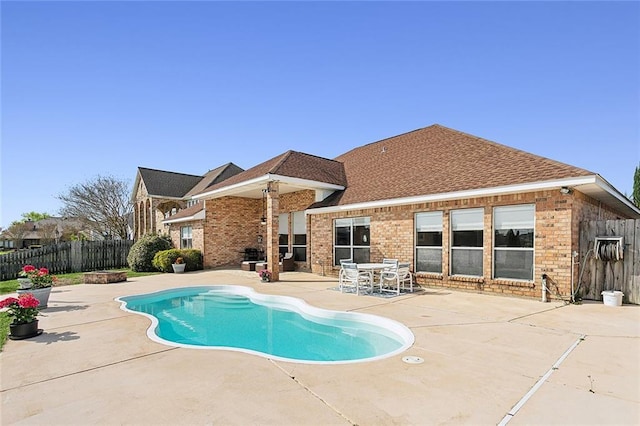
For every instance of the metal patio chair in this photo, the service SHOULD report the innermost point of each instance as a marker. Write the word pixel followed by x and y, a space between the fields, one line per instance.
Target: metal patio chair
pixel 352 278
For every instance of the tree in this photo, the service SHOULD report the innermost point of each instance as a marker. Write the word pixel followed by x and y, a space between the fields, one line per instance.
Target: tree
pixel 17 231
pixel 34 216
pixel 103 204
pixel 31 217
pixel 636 187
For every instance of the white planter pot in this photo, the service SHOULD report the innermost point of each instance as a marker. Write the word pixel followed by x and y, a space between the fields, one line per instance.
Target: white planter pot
pixel 24 283
pixel 42 294
pixel 178 268
pixel 612 298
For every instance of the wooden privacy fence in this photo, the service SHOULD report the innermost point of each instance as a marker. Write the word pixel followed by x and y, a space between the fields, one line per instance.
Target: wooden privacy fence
pixel 73 256
pixel 606 272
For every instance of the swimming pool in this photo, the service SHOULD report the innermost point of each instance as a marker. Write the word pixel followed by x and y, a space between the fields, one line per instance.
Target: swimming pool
pixel 278 327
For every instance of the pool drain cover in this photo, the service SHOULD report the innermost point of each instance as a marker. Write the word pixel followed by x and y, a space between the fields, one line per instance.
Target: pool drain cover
pixel 412 360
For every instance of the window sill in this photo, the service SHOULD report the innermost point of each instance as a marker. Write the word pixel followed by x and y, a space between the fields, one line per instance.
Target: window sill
pixel 429 275
pixel 467 279
pixel 510 283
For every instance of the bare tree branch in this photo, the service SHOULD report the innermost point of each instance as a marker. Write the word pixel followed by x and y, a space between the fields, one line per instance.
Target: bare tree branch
pixel 103 204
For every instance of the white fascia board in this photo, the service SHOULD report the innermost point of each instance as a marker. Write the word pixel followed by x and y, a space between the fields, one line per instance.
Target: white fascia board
pixel 164 197
pixel 221 192
pixel 198 216
pixel 229 190
pixel 134 189
pixel 472 193
pixel 311 184
pixel 615 193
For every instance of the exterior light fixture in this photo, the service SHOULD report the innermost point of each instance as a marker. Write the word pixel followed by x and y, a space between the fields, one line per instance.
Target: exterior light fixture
pixel 565 191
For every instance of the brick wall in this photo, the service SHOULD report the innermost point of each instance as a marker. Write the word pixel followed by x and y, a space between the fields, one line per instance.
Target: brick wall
pixel 197 233
pixel 233 224
pixel 149 212
pixel 392 235
pixel 296 201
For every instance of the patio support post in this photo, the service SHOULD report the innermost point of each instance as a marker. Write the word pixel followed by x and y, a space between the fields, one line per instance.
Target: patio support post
pixel 273 250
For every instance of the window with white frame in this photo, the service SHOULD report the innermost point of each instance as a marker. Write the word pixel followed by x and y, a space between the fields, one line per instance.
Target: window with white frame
pixel 351 240
pixel 429 242
pixel 283 233
pixel 467 241
pixel 513 242
pixel 186 237
pixel 299 236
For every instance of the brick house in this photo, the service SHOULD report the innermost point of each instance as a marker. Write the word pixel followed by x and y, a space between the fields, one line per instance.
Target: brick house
pixel 160 195
pixel 466 212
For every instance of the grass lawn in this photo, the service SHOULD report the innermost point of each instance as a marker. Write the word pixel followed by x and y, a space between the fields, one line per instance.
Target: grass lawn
pixel 67 279
pixel 4 328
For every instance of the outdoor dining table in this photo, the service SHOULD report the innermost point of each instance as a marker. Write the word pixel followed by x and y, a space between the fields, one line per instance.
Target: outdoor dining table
pixel 372 268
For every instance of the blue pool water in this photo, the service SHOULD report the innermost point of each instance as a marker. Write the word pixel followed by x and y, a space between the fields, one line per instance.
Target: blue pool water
pixel 279 327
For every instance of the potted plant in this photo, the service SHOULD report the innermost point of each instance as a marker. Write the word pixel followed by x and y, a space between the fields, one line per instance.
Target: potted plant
pixel 23 279
pixel 178 265
pixel 22 312
pixel 265 275
pixel 41 283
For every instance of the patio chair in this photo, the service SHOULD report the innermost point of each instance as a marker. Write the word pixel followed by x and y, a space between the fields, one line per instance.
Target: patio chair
pixel 397 277
pixel 286 263
pixel 342 262
pixel 352 278
pixel 389 278
pixel 404 275
pixel 393 262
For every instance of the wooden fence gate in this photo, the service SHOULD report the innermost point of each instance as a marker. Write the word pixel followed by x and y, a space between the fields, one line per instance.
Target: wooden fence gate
pixel 599 267
pixel 73 256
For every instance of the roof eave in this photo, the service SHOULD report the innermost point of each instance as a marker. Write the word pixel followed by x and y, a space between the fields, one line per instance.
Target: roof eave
pixel 242 187
pixel 197 216
pixel 578 183
pixel 166 197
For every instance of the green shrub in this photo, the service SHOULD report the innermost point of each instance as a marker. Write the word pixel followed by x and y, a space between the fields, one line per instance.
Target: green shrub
pixel 163 259
pixel 141 255
pixel 192 258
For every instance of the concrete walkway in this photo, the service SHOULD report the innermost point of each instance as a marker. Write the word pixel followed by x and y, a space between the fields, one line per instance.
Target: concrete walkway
pixel 95 365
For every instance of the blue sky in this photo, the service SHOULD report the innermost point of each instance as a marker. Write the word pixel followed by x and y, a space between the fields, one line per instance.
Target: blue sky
pixel 100 88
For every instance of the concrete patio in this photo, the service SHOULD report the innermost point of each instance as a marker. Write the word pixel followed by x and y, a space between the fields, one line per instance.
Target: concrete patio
pixel 95 365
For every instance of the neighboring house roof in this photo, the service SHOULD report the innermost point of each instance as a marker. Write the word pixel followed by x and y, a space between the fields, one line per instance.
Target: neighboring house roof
pixel 215 176
pixel 295 169
pixel 160 183
pixel 45 228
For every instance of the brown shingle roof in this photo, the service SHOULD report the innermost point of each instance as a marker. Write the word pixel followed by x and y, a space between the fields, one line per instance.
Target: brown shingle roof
pixel 292 164
pixel 167 184
pixel 215 176
pixel 435 160
pixel 180 185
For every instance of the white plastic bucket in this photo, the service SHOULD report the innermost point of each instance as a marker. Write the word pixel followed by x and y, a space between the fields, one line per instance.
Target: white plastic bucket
pixel 612 298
